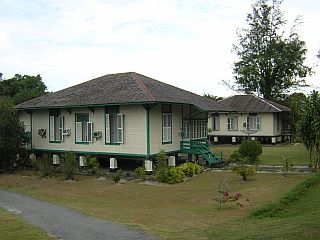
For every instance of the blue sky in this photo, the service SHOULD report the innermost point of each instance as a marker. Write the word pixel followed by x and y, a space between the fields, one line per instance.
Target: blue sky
pixel 186 43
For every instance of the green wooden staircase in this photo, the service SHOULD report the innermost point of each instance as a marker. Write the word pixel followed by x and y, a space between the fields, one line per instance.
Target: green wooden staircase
pixel 204 149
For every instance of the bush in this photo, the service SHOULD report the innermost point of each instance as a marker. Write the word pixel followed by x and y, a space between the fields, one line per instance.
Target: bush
pixel 68 165
pixel 250 149
pixel 235 157
pixel 244 171
pixel 92 162
pixel 141 173
pixel 116 176
pixel 44 164
pixel 162 167
pixel 175 175
pixel 190 169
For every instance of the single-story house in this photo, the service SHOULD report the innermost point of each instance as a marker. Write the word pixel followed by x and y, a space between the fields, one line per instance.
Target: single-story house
pixel 120 115
pixel 252 117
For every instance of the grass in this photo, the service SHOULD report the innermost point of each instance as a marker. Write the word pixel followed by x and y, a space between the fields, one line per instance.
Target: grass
pixel 180 211
pixel 12 227
pixel 300 220
pixel 272 155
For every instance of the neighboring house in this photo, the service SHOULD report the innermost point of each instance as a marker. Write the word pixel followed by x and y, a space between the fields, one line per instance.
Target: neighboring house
pixel 253 117
pixel 118 115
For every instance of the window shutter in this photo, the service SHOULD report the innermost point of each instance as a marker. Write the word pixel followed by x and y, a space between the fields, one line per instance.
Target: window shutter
pixel 61 127
pixel 258 123
pixel 89 131
pixel 78 131
pixel 107 130
pixel 169 127
pixel 120 127
pixel 52 138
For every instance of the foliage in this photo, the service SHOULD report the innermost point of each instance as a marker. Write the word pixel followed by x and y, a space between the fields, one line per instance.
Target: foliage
pixel 235 156
pixel 250 149
pixel 175 175
pixel 22 88
pixel 244 171
pixel 44 164
pixel 68 164
pixel 92 162
pixel 212 97
pixel 190 169
pixel 274 209
pixel 287 165
pixel 162 168
pixel 116 176
pixel 270 63
pixel 294 101
pixel 309 127
pixel 224 195
pixel 141 173
pixel 12 135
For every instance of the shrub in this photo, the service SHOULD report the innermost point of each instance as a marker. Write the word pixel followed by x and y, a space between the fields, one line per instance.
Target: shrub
pixel 141 173
pixel 68 165
pixel 244 171
pixel 175 175
pixel 190 169
pixel 235 157
pixel 162 167
pixel 92 162
pixel 44 165
pixel 250 149
pixel 116 176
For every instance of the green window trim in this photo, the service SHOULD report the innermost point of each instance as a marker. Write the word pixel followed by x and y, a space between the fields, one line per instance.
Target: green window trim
pixel 107 137
pixel 49 132
pixel 75 127
pixel 167 112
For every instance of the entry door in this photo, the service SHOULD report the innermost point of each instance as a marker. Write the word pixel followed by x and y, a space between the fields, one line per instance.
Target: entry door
pixel 186 131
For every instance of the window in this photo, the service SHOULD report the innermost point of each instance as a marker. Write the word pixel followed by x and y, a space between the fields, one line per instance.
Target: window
pixel 215 123
pixel 56 126
pixel 198 129
pixel 84 128
pixel 113 125
pixel 186 129
pixel 253 123
pixel 232 123
pixel 166 123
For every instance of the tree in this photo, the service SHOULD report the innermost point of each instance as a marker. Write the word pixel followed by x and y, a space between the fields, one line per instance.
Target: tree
pixel 269 63
pixel 22 88
pixel 12 135
pixel 294 101
pixel 212 97
pixel 309 127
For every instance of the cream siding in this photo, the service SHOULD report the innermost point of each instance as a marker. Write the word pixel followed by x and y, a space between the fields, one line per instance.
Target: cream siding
pixel 134 131
pixel 266 125
pixel 156 129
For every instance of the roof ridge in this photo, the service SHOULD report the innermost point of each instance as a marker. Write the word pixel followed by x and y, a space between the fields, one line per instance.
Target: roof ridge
pixel 264 100
pixel 142 86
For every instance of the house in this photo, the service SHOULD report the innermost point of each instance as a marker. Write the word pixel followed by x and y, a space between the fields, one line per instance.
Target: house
pixel 252 117
pixel 125 115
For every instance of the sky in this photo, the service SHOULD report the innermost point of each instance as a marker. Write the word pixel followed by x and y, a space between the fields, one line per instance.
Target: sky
pixel 185 43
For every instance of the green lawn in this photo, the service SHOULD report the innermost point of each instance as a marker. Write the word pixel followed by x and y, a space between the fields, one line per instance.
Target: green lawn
pixel 300 221
pixel 180 211
pixel 12 227
pixel 272 154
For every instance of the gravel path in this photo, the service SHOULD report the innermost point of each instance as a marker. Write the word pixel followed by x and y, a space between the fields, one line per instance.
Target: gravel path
pixel 65 223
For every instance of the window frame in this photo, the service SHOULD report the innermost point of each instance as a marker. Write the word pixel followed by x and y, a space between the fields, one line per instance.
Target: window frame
pixel 86 127
pixel 166 117
pixel 256 122
pixel 234 123
pixel 119 126
pixel 56 130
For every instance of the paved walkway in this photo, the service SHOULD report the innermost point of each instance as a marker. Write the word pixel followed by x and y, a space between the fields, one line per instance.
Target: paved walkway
pixel 65 223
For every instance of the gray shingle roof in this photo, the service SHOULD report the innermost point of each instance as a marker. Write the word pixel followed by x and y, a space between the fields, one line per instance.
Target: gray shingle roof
pixel 119 89
pixel 252 103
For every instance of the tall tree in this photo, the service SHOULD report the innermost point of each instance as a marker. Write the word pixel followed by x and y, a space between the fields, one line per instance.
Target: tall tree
pixel 212 97
pixel 22 88
pixel 12 135
pixel 269 63
pixel 309 127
